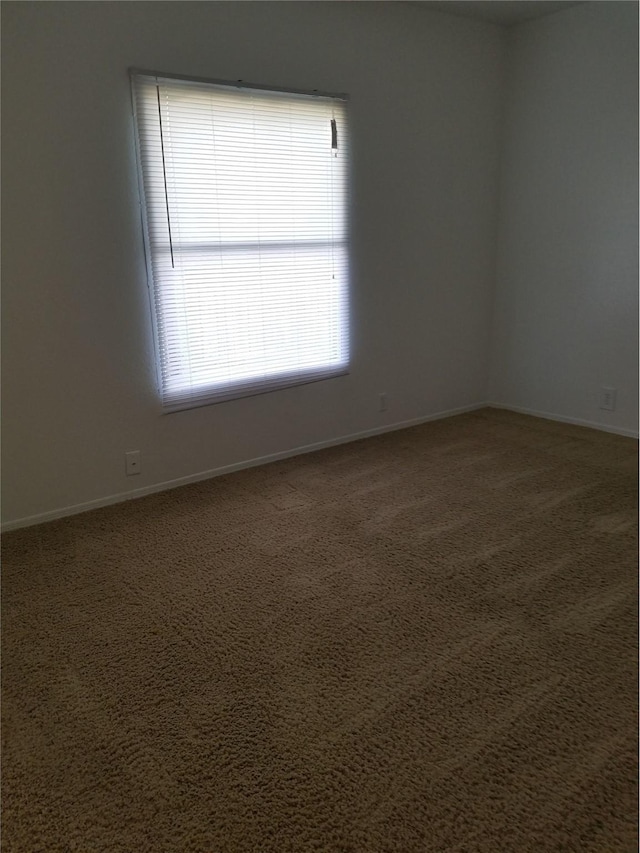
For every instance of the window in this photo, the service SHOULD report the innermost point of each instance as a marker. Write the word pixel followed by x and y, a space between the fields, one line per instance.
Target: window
pixel 245 202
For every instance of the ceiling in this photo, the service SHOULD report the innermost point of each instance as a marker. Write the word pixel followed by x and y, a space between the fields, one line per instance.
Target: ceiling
pixel 505 12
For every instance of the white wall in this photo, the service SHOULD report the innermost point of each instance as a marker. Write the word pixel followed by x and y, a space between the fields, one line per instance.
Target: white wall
pixel 78 384
pixel 566 310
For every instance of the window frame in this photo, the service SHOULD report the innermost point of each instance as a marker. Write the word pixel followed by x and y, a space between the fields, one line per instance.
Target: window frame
pixel 247 388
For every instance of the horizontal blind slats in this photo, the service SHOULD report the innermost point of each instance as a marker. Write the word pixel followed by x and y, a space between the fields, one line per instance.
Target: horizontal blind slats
pixel 246 216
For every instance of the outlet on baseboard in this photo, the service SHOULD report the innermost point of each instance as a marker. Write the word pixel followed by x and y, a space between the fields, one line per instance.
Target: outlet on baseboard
pixel 608 399
pixel 132 462
pixel 382 402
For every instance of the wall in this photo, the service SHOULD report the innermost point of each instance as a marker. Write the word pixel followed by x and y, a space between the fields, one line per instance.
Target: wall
pixel 78 385
pixel 566 310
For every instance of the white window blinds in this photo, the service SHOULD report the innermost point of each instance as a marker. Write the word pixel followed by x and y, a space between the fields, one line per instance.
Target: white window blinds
pixel 245 195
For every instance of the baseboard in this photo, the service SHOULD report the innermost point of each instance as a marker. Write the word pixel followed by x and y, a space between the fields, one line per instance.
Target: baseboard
pixel 53 515
pixel 629 433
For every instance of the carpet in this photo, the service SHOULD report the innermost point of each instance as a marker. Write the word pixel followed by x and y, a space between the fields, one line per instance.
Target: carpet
pixel 422 641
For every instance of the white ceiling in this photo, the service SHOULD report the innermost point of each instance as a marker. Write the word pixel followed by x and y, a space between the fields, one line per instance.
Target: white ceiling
pixel 505 12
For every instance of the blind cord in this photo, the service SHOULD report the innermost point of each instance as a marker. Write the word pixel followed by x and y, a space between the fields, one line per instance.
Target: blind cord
pixel 164 175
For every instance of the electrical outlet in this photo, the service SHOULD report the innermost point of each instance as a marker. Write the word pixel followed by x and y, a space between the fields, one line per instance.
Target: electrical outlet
pixel 608 399
pixel 382 403
pixel 132 462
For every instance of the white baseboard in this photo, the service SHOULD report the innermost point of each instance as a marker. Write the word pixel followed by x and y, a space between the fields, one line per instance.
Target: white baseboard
pixel 52 515
pixel 629 433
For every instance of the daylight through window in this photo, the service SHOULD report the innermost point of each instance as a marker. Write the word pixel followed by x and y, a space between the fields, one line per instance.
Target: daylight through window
pixel 245 195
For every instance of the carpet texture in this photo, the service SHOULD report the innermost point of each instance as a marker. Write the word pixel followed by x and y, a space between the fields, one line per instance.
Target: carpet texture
pixel 424 641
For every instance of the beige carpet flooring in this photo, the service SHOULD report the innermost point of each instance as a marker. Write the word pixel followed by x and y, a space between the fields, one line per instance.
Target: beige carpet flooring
pixel 424 641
